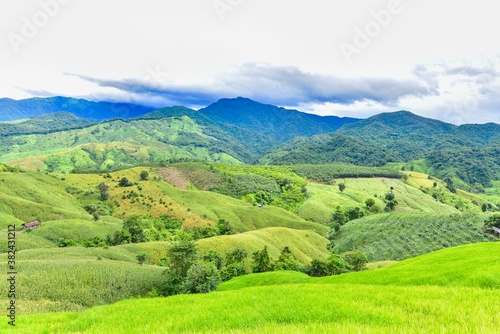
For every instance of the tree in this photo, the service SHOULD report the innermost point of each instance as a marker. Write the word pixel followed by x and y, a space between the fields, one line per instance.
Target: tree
pixel 484 207
pixel 238 255
pixel 356 259
pixel 124 182
pixel 201 278
pixel 234 264
pixel 133 226
pixel 391 205
pixel 103 189
pixel 450 185
pixel 370 202
pixel 224 227
pixel 389 196
pixel 96 216
pixel 342 186
pixel 144 175
pixel 354 213
pixel 287 261
pixel 215 258
pixel 318 268
pixel 181 256
pixel 141 258
pixel 261 261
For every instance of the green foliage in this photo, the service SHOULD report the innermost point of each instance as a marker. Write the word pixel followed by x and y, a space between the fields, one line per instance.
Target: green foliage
pixel 181 256
pixel 370 202
pixel 201 278
pixel 141 258
pixel 356 259
pixel 124 182
pixel 144 175
pixel 287 261
pixel 215 258
pixel 398 236
pixel 261 262
pixel 342 186
pixel 327 173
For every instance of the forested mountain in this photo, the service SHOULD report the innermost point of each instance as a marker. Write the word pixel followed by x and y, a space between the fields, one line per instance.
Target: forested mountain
pixel 243 131
pixel 278 123
pixel 20 109
pixel 58 121
pixel 469 153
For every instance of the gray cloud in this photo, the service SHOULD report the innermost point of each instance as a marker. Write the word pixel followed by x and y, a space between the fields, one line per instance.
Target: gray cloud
pixel 272 84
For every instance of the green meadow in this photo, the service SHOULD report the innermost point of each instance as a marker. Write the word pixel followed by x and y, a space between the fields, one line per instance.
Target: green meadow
pixel 450 291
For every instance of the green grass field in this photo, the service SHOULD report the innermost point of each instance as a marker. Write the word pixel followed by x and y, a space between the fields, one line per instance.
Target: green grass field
pixel 456 290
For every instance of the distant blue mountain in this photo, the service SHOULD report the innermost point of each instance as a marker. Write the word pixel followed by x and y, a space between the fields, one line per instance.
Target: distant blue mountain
pixel 20 109
pixel 278 123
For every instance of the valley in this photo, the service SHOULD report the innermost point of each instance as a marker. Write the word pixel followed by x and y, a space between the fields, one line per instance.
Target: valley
pixel 146 214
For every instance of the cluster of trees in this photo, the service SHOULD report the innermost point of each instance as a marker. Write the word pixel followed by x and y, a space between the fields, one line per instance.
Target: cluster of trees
pixel 189 272
pixel 327 173
pixel 262 185
pixel 136 229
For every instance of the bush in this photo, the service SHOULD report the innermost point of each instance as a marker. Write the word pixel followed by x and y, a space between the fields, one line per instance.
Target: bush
pixel 356 259
pixel 201 278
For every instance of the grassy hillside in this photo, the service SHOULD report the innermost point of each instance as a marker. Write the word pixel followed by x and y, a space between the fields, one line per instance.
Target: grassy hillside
pixel 304 245
pixel 378 301
pixel 473 265
pixel 399 236
pixel 120 144
pixel 322 200
pixel 242 216
pixel 30 196
pixel 72 278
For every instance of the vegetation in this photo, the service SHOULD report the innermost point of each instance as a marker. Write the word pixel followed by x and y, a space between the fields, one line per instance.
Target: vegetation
pixel 399 236
pixel 428 293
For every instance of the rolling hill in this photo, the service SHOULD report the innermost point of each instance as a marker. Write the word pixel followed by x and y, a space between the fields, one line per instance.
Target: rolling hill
pixel 424 294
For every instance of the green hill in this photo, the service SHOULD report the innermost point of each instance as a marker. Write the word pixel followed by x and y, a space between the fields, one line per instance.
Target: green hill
pixel 322 200
pixel 304 245
pixel 399 236
pixel 413 296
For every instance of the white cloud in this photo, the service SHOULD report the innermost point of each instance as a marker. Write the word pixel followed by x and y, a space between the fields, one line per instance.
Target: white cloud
pixel 429 59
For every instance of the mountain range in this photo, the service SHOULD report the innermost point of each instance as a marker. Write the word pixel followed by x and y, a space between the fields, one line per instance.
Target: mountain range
pixel 65 134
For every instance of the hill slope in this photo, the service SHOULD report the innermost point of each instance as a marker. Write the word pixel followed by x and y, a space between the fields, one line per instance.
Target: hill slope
pixel 377 301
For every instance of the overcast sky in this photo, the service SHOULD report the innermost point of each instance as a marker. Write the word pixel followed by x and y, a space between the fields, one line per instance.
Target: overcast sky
pixel 439 59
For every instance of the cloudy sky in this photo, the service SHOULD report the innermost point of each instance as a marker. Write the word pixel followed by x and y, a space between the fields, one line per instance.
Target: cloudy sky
pixel 439 59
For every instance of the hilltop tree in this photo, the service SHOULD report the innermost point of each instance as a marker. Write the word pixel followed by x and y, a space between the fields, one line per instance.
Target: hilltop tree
pixel 201 278
pixel 141 258
pixel 234 264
